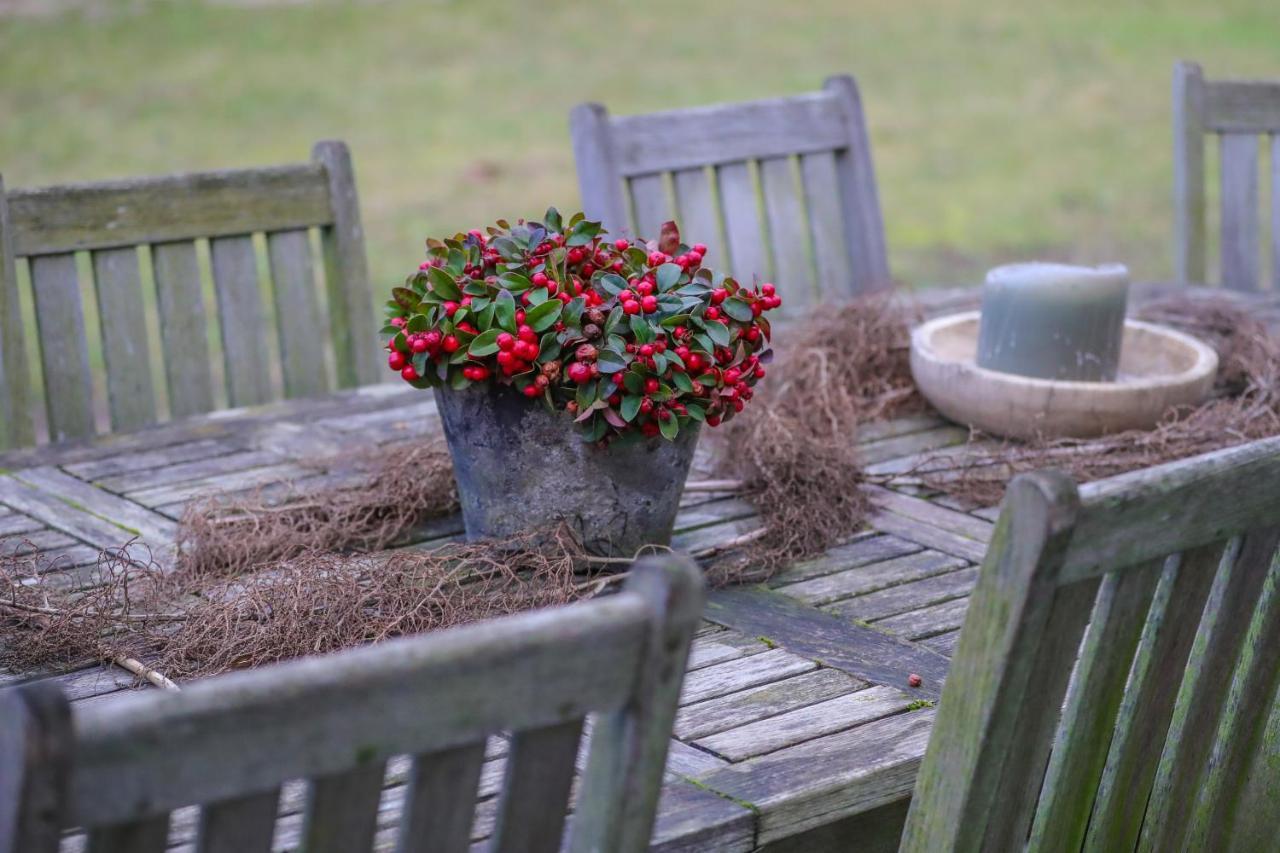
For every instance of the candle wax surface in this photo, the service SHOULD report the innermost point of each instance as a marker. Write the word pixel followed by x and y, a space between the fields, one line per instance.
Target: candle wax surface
pixel 1054 321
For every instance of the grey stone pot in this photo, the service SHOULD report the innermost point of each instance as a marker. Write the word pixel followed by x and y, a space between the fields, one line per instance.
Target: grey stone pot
pixel 521 467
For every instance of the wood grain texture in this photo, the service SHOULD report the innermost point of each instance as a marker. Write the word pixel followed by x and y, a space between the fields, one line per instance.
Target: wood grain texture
pixel 35 758
pixel 341 813
pixel 17 428
pixel 64 354
pixel 241 318
pixel 1239 200
pixel 240 825
pixel 118 284
pixel 819 173
pixel 699 219
pixel 138 836
pixel 650 203
pixel 535 794
pixel 599 181
pixel 785 214
pixel 297 314
pixel 859 198
pixel 441 800
pixel 748 256
pixel 1275 212
pixel 1190 255
pixel 174 207
pixel 1242 106
pixel 352 324
pixel 183 328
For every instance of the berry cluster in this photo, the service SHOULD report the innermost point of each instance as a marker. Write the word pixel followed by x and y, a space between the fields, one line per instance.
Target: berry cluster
pixel 630 338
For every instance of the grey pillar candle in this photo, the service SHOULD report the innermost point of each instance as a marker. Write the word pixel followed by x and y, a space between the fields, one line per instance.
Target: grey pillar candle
pixel 1054 321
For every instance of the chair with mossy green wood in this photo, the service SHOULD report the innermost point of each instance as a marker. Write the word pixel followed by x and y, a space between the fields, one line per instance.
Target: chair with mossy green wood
pixel 1115 682
pixel 120 229
pixel 1243 114
pixel 822 235
pixel 227 744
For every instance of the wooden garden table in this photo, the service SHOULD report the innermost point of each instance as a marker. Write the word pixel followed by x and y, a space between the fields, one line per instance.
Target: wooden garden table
pixel 798 729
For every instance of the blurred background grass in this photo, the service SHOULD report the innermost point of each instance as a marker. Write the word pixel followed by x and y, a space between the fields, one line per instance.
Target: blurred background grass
pixel 1005 129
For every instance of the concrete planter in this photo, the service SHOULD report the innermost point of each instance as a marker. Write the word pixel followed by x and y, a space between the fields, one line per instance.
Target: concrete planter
pixel 519 467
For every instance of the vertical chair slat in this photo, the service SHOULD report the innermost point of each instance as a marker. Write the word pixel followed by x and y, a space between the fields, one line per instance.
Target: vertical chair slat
pixel 859 198
pixel 535 791
pixel 440 802
pixel 1240 211
pixel 699 222
pixel 297 313
pixel 785 212
pixel 63 351
pixel 16 427
pixel 748 258
pixel 835 278
pixel 598 179
pixel 1148 703
pixel 1275 211
pixel 1190 259
pixel 1237 745
pixel 118 284
pixel 649 195
pixel 341 813
pixel 355 335
pixel 1200 699
pixel 1093 699
pixel 35 761
pixel 241 825
pixel 240 316
pixel 138 836
pixel 1254 826
pixel 184 332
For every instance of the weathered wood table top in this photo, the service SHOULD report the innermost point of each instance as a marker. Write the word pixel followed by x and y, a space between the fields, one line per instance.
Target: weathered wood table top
pixel 797 726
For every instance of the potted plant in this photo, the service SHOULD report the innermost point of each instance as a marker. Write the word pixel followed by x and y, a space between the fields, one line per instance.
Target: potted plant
pixel 573 371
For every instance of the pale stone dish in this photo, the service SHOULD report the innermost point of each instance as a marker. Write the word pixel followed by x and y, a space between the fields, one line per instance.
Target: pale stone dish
pixel 1159 369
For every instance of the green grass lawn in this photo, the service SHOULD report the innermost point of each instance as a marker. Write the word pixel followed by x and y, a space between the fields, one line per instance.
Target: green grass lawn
pixel 1004 129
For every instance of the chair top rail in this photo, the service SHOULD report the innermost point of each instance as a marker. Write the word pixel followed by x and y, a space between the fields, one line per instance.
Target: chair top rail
pixel 1242 106
pixel 1154 512
pixel 149 753
pixel 129 212
pixel 724 133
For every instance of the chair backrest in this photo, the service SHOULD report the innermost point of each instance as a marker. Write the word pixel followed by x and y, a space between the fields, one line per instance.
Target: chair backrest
pixel 1117 668
pixel 1239 112
pixel 227 744
pixel 825 236
pixel 168 217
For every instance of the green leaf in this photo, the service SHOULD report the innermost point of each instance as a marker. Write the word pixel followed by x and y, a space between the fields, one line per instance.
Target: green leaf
pixel 484 318
pixel 738 309
pixel 400 343
pixel 514 282
pixel 543 316
pixel 486 343
pixel 660 363
pixel 539 296
pixel 443 285
pixel 667 276
pixel 572 313
pixel 633 382
pixel 613 418
pixel 405 298
pixel 579 239
pixel 457 261
pixel 586 394
pixel 552 219
pixel 417 323
pixel 682 381
pixel 641 329
pixel 630 406
pixel 611 283
pixel 610 361
pixel 599 426
pixel 719 333
pixel 549 348
pixel 505 307
pixel 675 320
pixel 669 428
pixel 458 381
pixel 696 412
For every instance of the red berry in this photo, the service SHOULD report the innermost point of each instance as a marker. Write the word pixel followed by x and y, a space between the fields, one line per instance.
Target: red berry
pixel 657 259
pixel 409 373
pixel 651 386
pixel 693 362
pixel 519 315
pixel 565 298
pixel 551 288
pixel 621 244
pixel 731 376
pixel 481 372
pixel 526 333
pixel 775 301
pixel 540 279
pixel 617 379
pixel 683 352
pixel 719 295
pixel 752 334
pixel 506 358
pixel 646 405
pixel 914 680
pixel 579 372
pixel 644 288
pixel 532 390
pixel 632 307
pixel 450 308
pixel 700 248
pixel 450 343
pixel 587 270
pixel 398 322
pixel 767 289
pixel 646 350
pixel 713 313
pixel 616 266
pixel 506 341
pixel 649 429
pixel 418 344
pixel 650 304
pixel 396 360
pixel 664 414
pixel 615 399
pixel 576 255
pixel 683 262
pixel 695 259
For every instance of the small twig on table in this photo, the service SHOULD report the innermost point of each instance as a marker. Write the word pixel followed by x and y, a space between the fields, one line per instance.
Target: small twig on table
pixel 141 670
pixel 721 547
pixel 714 486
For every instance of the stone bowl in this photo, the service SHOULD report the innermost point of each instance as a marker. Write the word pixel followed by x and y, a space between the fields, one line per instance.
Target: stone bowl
pixel 1159 370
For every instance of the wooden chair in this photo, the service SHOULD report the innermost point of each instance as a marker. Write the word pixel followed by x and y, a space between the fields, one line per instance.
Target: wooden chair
pixel 1150 603
pixel 111 221
pixel 227 744
pixel 825 235
pixel 1238 111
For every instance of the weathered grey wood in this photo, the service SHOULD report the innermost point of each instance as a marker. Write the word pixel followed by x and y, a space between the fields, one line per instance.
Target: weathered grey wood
pixel 959 523
pixel 709 717
pixel 819 172
pixel 1242 106
pixel 599 181
pixel 535 793
pixel 732 676
pixel 118 284
pixel 240 316
pixel 706 650
pixel 1254 825
pixel 699 220
pixel 1239 199
pixel 863 652
pixel 1143 719
pixel 860 202
pixel 928 621
pixel 174 207
pixel 240 825
pixel 297 314
pixel 649 197
pixel 784 211
pixel 1190 255
pixel 441 800
pixel 907 597
pixel 140 836
pixel 355 342
pixel 692 819
pixel 866 578
pixel 63 351
pixel 183 328
pixel 156 530
pixel 35 758
pixel 342 810
pixel 17 427
pixel 861 551
pixel 749 260
pixel 1275 212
